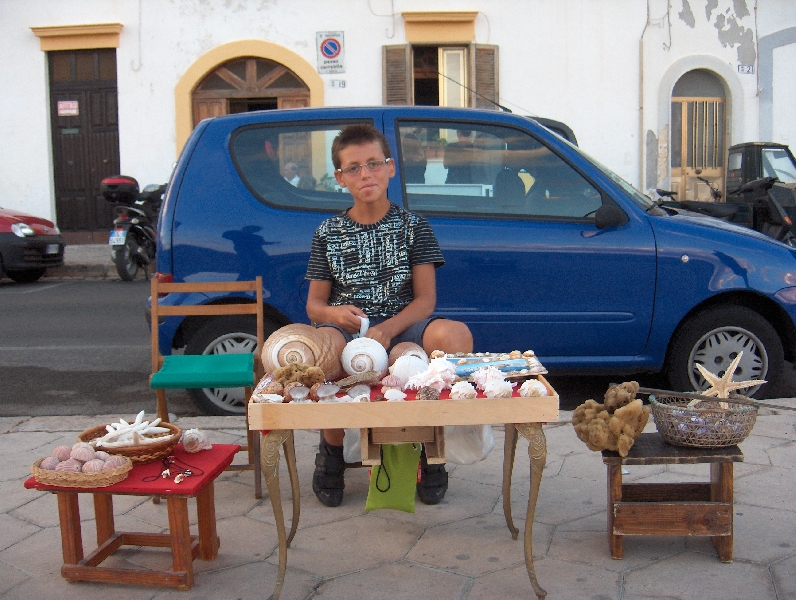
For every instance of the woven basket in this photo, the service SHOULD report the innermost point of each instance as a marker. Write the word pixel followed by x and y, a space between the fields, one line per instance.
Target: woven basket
pixel 138 454
pixel 81 480
pixel 705 425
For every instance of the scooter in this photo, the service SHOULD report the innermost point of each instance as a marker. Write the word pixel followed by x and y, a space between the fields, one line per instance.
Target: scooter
pixel 768 216
pixel 132 238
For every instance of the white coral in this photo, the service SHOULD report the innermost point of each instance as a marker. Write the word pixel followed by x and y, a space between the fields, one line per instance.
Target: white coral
pixel 440 374
pixel 462 390
pixel 532 387
pixel 498 388
pixel 484 375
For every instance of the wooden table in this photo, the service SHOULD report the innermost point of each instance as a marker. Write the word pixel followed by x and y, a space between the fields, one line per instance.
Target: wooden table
pixel 184 546
pixel 521 416
pixel 672 508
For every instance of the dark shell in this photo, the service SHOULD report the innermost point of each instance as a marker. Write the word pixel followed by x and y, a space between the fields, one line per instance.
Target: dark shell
pixel 427 393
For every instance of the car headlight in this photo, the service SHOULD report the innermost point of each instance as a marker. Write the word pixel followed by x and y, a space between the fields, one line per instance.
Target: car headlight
pixel 22 229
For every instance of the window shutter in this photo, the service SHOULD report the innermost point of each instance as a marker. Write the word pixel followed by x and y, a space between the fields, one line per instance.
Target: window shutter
pixel 397 74
pixel 485 80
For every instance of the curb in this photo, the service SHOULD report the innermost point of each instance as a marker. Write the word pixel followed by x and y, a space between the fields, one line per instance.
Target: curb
pixel 82 272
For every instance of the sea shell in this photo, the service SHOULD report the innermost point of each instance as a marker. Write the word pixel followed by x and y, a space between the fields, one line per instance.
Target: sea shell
pixel 268 398
pixel 83 451
pixel 437 354
pixel 440 374
pixel 532 387
pixel 394 395
pixel 298 393
pixel 484 375
pixel 358 390
pixel 194 440
pixel 49 463
pixel 71 465
pixel 299 343
pixel 95 465
pixel 407 366
pixel 274 387
pixel 427 393
pixel 113 462
pixel 290 386
pixel 62 452
pixel 462 390
pixel 326 391
pixel 407 349
pixel 498 389
pixel 102 455
pixel 364 354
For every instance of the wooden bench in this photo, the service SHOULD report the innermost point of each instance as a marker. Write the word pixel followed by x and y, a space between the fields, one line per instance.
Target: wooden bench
pixel 672 508
pixel 185 548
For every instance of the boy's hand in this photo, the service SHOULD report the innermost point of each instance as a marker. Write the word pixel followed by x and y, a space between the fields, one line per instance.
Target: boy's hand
pixel 378 333
pixel 347 317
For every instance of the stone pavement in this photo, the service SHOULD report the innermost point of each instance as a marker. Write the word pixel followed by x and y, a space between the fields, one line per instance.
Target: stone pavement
pixel 459 549
pixel 83 261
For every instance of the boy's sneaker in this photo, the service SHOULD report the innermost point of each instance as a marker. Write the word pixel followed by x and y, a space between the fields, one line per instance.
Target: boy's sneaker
pixel 328 481
pixel 433 481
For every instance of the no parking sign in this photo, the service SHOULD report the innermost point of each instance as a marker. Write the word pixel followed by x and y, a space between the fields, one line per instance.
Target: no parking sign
pixel 331 54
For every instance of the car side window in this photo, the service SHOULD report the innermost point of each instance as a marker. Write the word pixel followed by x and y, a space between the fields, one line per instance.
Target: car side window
pixel 290 165
pixel 476 169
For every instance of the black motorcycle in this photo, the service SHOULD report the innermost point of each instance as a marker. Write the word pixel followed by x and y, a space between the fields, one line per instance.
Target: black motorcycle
pixel 132 238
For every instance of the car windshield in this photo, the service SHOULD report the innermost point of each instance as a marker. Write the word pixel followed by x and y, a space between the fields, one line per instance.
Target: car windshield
pixel 778 162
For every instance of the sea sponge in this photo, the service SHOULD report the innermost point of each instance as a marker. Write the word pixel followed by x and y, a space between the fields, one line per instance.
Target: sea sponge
pixel 601 430
pixel 311 376
pixel 302 373
pixel 620 395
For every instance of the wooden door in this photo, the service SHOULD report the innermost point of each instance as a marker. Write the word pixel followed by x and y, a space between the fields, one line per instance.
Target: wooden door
pixel 698 130
pixel 85 136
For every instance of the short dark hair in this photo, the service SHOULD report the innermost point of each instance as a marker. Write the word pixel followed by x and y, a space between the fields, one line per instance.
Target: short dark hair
pixel 357 135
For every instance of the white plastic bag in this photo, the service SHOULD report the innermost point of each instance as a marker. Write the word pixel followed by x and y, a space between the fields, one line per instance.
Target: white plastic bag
pixel 468 444
pixel 352 452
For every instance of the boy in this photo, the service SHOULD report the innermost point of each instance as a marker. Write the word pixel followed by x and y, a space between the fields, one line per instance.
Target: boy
pixel 375 260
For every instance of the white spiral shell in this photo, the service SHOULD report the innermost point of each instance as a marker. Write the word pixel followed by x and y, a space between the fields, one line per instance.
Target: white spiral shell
pixel 407 366
pixel 364 354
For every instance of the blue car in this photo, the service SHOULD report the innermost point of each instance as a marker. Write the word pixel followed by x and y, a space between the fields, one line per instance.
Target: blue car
pixel 545 248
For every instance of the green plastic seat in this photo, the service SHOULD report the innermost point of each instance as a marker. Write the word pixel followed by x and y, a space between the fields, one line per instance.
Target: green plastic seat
pixel 204 371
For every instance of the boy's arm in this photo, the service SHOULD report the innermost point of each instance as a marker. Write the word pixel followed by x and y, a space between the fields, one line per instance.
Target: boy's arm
pixel 318 310
pixel 424 286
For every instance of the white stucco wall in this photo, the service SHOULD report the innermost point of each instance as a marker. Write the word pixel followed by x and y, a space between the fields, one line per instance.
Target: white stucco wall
pixel 577 61
pixel 784 89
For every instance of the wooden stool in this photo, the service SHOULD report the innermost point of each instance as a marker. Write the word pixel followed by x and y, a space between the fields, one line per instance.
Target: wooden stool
pixel 185 548
pixel 672 508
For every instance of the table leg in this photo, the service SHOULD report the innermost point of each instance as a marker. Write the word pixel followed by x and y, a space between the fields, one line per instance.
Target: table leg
pixel 182 558
pixel 71 535
pixel 537 450
pixel 269 457
pixel 206 514
pixel 103 515
pixel 290 459
pixel 721 490
pixel 509 450
pixel 614 496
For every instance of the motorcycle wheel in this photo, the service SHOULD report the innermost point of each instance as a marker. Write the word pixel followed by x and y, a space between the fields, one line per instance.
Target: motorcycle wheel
pixel 124 259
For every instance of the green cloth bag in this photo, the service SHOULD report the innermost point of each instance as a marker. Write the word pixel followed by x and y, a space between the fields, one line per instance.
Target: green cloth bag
pixel 393 484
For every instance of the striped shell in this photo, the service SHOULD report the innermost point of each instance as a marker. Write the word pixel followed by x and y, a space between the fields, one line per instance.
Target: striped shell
pixel 83 451
pixel 364 354
pixel 113 462
pixel 298 343
pixel 93 466
pixel 49 463
pixel 71 465
pixel 62 452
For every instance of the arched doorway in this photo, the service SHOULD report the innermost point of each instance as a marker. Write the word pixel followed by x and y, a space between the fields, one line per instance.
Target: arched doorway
pixel 246 84
pixel 698 134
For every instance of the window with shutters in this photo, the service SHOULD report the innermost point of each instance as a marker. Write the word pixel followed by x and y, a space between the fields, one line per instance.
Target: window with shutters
pixel 427 75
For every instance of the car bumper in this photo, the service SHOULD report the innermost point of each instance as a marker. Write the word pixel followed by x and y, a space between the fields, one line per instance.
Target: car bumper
pixel 36 252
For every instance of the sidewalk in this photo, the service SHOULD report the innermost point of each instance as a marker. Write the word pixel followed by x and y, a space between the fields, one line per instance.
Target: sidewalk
pixel 459 549
pixel 92 261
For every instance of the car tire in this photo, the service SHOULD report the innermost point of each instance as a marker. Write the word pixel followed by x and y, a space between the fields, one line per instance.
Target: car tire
pixel 124 259
pixel 223 335
pixel 713 338
pixel 26 275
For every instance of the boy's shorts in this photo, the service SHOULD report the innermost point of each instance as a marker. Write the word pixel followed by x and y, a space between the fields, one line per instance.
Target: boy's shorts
pixel 413 334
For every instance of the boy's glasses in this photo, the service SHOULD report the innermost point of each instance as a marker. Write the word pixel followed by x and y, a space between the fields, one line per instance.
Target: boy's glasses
pixel 373 165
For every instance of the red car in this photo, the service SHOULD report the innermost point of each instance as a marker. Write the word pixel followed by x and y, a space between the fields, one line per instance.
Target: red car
pixel 28 245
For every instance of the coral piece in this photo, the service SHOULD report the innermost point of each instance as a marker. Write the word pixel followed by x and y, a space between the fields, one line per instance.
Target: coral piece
pixel 462 390
pixel 620 395
pixel 601 430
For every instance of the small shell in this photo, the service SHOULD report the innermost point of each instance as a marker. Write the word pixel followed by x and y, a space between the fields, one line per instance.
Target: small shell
pixel 326 391
pixel 364 354
pixel 528 354
pixel 498 389
pixel 71 465
pixel 427 393
pixel 113 462
pixel 406 367
pixel 194 440
pixel 93 466
pixel 273 388
pixel 532 387
pixel 299 392
pixel 407 349
pixel 49 463
pixel 462 390
pixel 62 452
pixel 394 395
pixel 359 390
pixel 83 451
pixel 102 455
pixel 288 387
pixel 268 398
pixel 515 354
pixel 437 354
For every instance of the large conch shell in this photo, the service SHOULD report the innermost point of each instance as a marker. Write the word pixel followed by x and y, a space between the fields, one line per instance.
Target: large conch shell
pixel 364 354
pixel 298 343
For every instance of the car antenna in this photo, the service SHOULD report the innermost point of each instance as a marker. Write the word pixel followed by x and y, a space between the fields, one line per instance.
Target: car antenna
pixel 500 106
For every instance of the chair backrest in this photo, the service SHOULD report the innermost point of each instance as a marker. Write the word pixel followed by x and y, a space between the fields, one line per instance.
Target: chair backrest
pixel 232 305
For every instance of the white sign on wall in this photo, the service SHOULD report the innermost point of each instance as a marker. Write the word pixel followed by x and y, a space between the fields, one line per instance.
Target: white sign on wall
pixel 68 108
pixel 331 52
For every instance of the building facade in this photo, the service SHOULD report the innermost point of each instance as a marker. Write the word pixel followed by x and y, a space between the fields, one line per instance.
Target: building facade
pixel 654 89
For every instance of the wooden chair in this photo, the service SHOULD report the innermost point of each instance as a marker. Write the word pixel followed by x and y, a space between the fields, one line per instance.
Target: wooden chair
pixel 191 371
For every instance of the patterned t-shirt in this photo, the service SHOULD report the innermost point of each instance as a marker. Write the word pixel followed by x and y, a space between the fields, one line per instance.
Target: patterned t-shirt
pixel 370 266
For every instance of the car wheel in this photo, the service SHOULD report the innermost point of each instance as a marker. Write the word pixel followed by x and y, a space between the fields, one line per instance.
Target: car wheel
pixel 26 276
pixel 714 338
pixel 224 335
pixel 124 259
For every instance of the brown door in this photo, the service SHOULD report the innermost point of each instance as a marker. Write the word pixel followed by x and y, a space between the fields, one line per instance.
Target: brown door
pixel 698 129
pixel 85 130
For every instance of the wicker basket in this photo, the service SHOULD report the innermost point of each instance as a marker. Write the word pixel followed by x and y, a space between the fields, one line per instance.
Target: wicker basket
pixel 705 425
pixel 139 454
pixel 81 480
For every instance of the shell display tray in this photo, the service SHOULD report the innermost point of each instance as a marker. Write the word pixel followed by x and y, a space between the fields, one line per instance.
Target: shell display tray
pixel 358 415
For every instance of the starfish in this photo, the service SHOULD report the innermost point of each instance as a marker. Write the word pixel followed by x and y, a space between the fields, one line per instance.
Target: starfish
pixel 720 387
